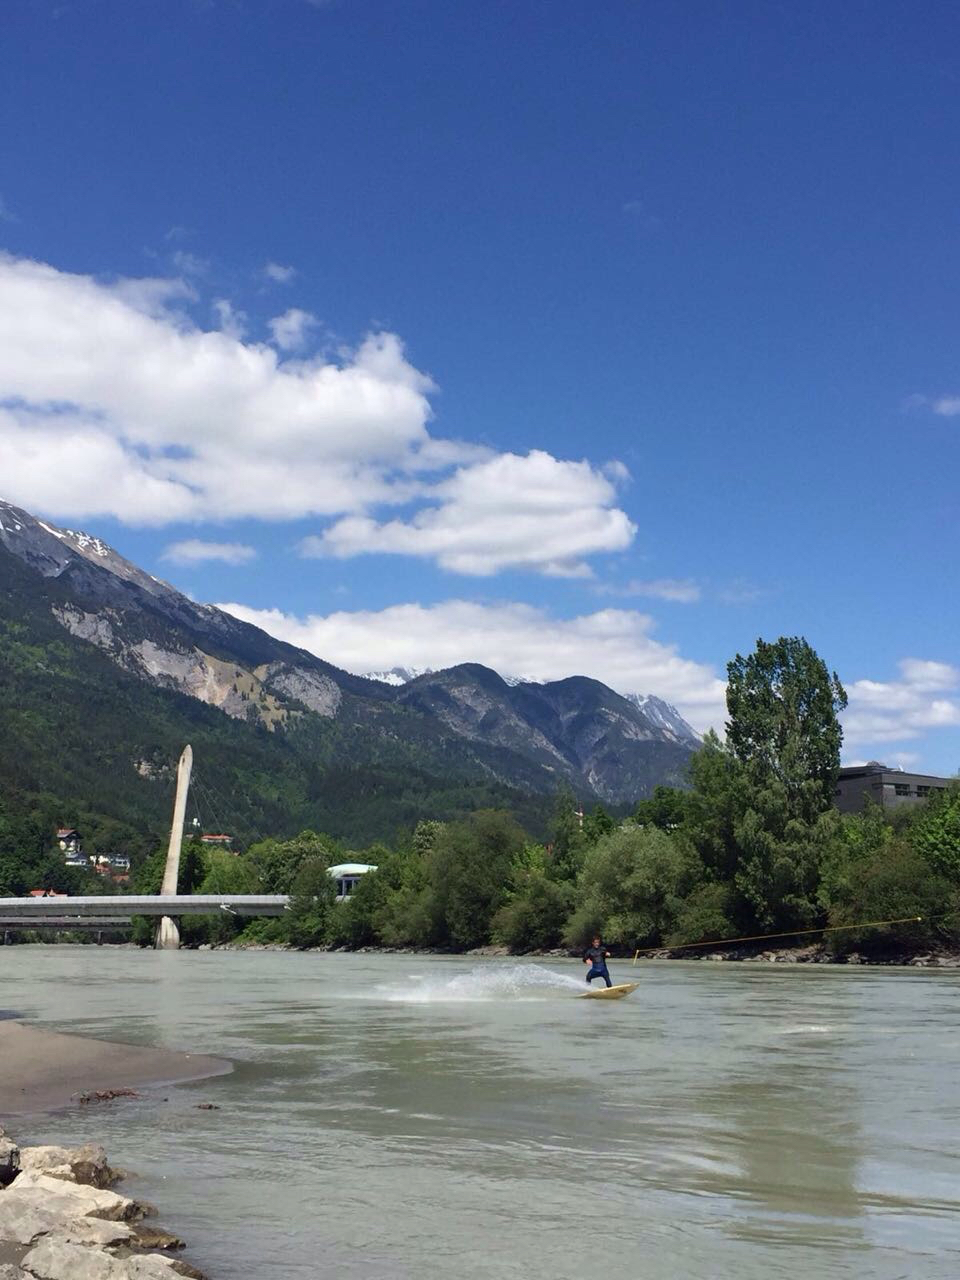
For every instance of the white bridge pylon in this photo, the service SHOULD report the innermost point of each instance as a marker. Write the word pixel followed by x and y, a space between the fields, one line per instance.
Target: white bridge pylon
pixel 168 931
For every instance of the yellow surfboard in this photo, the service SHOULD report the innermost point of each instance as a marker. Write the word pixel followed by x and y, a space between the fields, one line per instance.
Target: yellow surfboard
pixel 610 993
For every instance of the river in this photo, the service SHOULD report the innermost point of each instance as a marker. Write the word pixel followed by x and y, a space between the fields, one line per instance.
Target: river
pixel 429 1118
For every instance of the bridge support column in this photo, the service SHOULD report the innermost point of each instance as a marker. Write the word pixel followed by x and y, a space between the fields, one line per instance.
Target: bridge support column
pixel 168 934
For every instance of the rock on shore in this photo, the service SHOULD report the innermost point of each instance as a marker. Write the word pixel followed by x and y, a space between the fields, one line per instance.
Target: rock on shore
pixel 60 1220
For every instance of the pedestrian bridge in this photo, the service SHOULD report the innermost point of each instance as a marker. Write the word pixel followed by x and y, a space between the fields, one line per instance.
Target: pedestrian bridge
pixel 114 910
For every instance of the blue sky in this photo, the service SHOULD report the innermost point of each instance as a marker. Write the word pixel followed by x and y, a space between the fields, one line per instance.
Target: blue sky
pixel 566 337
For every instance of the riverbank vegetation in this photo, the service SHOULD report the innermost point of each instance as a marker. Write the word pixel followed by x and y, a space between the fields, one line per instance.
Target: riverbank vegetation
pixel 753 846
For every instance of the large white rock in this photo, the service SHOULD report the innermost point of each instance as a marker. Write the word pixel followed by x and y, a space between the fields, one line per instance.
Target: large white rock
pixel 21 1223
pixel 56 1260
pixel 72 1200
pixel 23 1220
pixel 94 1231
pixel 86 1164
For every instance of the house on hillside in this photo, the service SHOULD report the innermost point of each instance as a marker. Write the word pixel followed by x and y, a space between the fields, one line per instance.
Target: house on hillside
pixel 47 893
pixel 112 866
pixel 68 838
pixel 889 788
pixel 222 841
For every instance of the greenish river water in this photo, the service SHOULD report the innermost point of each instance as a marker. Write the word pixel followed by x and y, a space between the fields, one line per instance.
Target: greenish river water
pixel 424 1118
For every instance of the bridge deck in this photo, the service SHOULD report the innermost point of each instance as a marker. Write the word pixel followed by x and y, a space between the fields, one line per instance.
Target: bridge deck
pixel 109 906
pixel 65 922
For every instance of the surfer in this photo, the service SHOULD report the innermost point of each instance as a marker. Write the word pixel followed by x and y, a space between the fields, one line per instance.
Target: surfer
pixel 596 957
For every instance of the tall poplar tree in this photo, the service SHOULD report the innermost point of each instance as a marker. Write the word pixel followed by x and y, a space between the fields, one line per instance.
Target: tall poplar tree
pixel 783 704
pixel 785 736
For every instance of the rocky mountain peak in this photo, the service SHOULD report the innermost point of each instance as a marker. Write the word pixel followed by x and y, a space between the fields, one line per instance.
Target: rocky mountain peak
pixel 522 733
pixel 51 550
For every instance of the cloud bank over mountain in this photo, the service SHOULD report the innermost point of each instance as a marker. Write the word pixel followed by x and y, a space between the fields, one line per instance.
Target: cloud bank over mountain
pixel 611 645
pixel 116 402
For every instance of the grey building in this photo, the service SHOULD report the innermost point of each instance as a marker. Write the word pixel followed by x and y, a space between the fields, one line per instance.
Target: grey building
pixel 889 788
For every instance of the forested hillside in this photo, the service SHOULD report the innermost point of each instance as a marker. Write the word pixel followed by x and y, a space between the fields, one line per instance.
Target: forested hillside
pixel 86 744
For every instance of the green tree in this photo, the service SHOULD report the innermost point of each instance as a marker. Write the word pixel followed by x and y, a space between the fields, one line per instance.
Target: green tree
pixel 535 911
pixel 778 868
pixel 632 888
pixel 717 801
pixel 194 858
pixel 567 844
pixel 935 834
pixel 705 915
pixel 469 868
pixel 666 808
pixel 276 862
pixel 892 883
pixel 194 854
pixel 425 836
pixel 597 823
pixel 312 900
pixel 227 874
pixel 856 839
pixel 783 705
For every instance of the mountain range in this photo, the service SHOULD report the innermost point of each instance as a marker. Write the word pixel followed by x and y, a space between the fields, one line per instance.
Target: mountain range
pixel 95 647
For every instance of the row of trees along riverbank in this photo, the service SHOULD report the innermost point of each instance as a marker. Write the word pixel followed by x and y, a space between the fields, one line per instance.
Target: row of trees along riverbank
pixel 754 846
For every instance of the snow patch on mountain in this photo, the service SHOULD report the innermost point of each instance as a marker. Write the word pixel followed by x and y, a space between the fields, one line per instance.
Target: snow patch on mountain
pixel 398 675
pixel 664 716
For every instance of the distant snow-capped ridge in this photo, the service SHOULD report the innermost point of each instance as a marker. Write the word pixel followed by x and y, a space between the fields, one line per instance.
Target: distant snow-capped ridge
pixel 664 715
pixel 403 675
pixel 660 713
pixel 398 675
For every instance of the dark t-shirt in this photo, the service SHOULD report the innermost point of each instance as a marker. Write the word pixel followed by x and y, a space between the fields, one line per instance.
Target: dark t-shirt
pixel 596 955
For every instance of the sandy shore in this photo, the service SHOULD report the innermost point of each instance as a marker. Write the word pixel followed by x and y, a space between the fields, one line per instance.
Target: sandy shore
pixel 43 1069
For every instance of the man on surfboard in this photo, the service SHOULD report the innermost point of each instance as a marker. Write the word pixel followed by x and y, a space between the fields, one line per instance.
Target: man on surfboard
pixel 596 957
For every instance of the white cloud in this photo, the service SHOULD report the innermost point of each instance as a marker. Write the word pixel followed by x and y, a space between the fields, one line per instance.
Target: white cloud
pixel 945 406
pixel 532 512
pixel 279 274
pixel 291 329
pixel 114 402
pixel 148 418
pixel 924 675
pixel 612 645
pixel 903 759
pixel 155 296
pixel 190 264
pixel 673 590
pixel 927 696
pixel 230 321
pixel 196 551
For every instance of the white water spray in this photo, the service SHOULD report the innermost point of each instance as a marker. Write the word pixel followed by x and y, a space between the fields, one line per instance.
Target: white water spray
pixel 486 982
